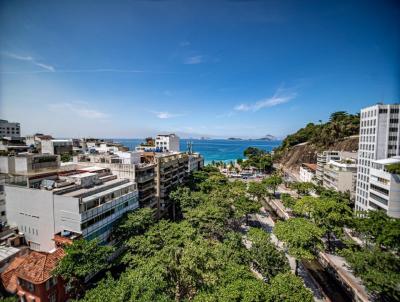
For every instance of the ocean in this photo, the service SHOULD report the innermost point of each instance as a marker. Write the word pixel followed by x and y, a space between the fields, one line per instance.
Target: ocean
pixel 214 149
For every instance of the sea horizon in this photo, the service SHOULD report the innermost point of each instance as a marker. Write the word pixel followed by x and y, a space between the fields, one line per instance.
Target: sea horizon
pixel 224 150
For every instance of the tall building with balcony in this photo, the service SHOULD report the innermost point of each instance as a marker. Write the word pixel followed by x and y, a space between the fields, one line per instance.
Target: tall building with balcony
pixel 171 170
pixel 167 142
pixel 341 175
pixel 384 186
pixel 9 129
pixel 127 165
pixel 85 201
pixel 379 139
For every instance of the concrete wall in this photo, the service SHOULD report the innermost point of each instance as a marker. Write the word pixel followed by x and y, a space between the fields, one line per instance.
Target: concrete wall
pixel 32 212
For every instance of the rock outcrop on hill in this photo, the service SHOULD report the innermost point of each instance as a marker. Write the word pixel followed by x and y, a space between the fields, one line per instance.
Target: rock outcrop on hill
pixel 293 157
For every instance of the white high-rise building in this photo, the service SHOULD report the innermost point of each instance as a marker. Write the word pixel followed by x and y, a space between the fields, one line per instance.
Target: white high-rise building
pixel 379 139
pixel 9 129
pixel 167 142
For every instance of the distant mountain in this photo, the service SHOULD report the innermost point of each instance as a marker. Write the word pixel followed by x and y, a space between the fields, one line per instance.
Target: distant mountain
pixel 267 137
pixel 234 139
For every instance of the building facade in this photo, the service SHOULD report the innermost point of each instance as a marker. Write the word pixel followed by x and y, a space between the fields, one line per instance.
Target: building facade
pixel 30 277
pixel 307 172
pixel 86 201
pixel 9 129
pixel 167 142
pixel 384 187
pixel 341 175
pixel 57 146
pixel 379 139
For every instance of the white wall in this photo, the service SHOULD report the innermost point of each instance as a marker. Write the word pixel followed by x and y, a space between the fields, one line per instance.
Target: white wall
pixel 47 146
pixel 31 211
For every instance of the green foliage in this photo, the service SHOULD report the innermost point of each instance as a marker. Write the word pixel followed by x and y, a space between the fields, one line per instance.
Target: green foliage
pixel 200 258
pixel 330 214
pixel 302 188
pixel 339 126
pixel 135 223
pixel 393 168
pixel 379 270
pixel 266 258
pixel 257 190
pixel 273 182
pixel 253 151
pixel 289 288
pixel 66 157
pixel 287 200
pixel 82 258
pixel 377 227
pixel 302 237
pixel 258 159
pixel 10 299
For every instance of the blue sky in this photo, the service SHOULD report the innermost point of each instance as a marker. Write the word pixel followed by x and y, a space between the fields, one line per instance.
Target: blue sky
pixel 214 68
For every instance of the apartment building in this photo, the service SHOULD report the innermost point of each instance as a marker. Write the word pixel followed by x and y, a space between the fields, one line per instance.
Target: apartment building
pixel 322 159
pixel 195 162
pixel 86 201
pixel 12 145
pixel 167 142
pixel 171 170
pixel 307 172
pixel 56 146
pixel 341 175
pixel 30 277
pixel 379 139
pixel 9 129
pixel 384 186
pixel 127 165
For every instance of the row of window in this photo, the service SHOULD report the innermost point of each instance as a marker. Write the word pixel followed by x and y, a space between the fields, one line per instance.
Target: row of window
pixel 378 198
pixel 380 190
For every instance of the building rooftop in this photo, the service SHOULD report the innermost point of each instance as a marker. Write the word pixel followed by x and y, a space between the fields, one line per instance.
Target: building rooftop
pixel 7 251
pixel 312 167
pixel 37 267
pixel 8 276
pixel 387 161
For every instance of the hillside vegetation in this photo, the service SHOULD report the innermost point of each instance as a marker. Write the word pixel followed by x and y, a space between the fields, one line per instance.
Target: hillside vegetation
pixel 340 125
pixel 335 134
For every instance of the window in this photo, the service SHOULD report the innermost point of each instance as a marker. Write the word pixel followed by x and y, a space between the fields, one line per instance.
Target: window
pixel 27 285
pixel 380 190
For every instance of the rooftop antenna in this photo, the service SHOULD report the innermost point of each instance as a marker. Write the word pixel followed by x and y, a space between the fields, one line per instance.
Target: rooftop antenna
pixel 190 147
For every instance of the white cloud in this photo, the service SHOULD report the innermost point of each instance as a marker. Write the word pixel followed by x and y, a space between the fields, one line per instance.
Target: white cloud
pixel 165 114
pixel 281 96
pixel 78 109
pixel 29 59
pixel 194 60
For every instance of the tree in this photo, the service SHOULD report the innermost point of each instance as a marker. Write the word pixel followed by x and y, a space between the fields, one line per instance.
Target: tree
pixel 287 200
pixel 302 188
pixel 135 223
pixel 252 151
pixel 210 219
pixel 273 182
pixel 379 270
pixel 329 214
pixel 266 258
pixel 378 227
pixel 82 258
pixel 257 190
pixel 66 157
pixel 244 207
pixel 302 237
pixel 289 288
